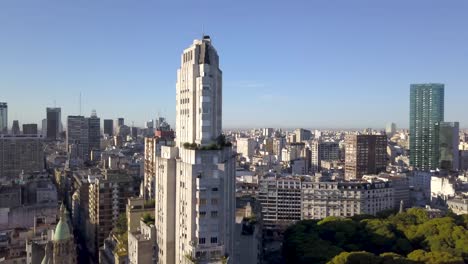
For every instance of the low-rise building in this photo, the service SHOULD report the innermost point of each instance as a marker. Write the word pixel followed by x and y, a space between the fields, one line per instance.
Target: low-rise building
pixel 142 242
pixel 112 251
pixel 287 199
pixel 137 207
pixel 400 184
pixel 248 247
pixel 345 199
pixel 442 188
pixel 458 205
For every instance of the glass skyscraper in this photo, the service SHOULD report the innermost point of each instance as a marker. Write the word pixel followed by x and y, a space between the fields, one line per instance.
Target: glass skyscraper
pixel 54 121
pixel 448 145
pixel 426 110
pixel 3 118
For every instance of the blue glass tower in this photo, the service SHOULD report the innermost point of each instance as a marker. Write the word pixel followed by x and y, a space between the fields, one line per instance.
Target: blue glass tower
pixel 426 110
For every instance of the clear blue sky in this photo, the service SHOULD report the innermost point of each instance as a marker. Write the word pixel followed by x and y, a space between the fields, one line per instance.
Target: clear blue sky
pixel 285 63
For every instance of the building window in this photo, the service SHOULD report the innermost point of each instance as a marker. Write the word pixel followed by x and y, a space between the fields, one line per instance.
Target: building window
pixel 201 241
pixel 202 214
pixel 214 214
pixel 214 240
pixel 214 201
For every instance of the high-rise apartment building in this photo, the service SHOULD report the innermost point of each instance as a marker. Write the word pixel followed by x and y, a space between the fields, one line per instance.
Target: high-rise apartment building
pixel 83 136
pixel 195 181
pixel 278 144
pixel 20 153
pixel 302 134
pixel 323 151
pixel 245 147
pixel 77 137
pixel 30 129
pixel 108 196
pixel 449 139
pixel 365 154
pixel 149 167
pixel 109 127
pixel 281 201
pixel 80 199
pixel 268 145
pixel 292 151
pixel 152 150
pixel 3 118
pixel 54 122
pixel 426 109
pixel 94 132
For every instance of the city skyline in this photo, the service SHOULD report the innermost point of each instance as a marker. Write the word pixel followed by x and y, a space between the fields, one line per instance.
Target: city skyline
pixel 129 59
pixel 198 194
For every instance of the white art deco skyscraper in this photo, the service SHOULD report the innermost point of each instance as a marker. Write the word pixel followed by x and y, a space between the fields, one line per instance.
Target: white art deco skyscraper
pixel 195 180
pixel 199 98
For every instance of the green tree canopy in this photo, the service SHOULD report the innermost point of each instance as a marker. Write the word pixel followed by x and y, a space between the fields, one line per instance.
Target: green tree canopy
pixel 436 257
pixel 386 240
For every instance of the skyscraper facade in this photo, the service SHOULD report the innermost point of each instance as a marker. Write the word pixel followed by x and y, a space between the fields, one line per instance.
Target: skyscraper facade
pixel 448 134
pixel 3 117
pixel 44 127
pixel 15 128
pixel 365 154
pixel 30 129
pixel 120 121
pixel 109 127
pixel 193 97
pixel 426 109
pixel 20 153
pixel 77 137
pixel 94 132
pixel 54 121
pixel 195 181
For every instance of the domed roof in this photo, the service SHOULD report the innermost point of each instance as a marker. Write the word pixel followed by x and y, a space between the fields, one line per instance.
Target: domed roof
pixel 62 231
